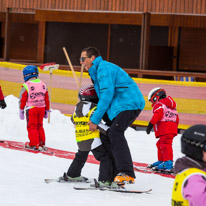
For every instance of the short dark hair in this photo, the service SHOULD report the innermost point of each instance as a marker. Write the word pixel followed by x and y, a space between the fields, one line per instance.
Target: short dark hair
pixel 91 51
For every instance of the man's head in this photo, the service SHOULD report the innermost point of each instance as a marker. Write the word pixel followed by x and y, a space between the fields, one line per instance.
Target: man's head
pixel 193 142
pixel 88 55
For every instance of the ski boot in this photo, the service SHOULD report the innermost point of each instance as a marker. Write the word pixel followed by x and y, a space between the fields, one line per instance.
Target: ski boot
pixel 105 184
pixel 122 179
pixel 27 146
pixel 66 178
pixel 43 148
pixel 167 165
pixel 155 164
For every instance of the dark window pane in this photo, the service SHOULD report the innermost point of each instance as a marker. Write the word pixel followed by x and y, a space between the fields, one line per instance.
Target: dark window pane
pixel 159 35
pixel 74 37
pixel 125 45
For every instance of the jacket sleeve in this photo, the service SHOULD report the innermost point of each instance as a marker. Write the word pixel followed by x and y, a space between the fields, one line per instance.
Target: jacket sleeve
pixel 47 102
pixel 1 94
pixel 177 119
pixel 106 92
pixel 158 112
pixel 23 98
pixel 194 190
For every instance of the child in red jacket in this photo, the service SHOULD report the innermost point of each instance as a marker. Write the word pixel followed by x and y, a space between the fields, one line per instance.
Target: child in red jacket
pixel 35 99
pixel 165 123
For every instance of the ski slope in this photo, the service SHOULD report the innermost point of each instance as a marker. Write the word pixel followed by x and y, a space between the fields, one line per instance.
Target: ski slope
pixel 22 173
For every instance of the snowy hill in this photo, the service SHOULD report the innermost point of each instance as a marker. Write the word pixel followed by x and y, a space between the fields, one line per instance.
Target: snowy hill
pixel 22 173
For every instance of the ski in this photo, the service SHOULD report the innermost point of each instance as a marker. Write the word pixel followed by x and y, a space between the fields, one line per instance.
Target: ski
pixel 63 181
pixel 164 173
pixel 53 180
pixel 30 149
pixel 169 172
pixel 122 190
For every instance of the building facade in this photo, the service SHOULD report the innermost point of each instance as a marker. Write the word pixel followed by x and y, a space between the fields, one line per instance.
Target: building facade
pixel 137 34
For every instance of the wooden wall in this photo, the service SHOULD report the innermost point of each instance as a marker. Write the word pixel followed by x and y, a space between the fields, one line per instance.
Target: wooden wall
pixel 121 18
pixel 163 13
pixel 162 6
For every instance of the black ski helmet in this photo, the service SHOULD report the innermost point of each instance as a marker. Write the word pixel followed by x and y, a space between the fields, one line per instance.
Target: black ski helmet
pixel 88 93
pixel 193 142
pixel 156 94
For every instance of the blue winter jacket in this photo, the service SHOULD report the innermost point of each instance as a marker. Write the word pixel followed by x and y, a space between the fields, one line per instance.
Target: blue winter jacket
pixel 116 90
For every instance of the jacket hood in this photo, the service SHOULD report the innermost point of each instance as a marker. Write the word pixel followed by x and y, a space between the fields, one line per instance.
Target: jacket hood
pixel 169 102
pixel 187 162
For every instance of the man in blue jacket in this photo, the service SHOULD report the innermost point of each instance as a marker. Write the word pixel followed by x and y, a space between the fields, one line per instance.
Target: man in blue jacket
pixel 119 98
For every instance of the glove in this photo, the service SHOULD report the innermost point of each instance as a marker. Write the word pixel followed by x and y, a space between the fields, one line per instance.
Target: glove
pixel 149 128
pixel 2 104
pixel 46 114
pixel 21 114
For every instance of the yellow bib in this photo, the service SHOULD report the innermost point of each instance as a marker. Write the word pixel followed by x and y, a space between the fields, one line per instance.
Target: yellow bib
pixel 82 128
pixel 177 192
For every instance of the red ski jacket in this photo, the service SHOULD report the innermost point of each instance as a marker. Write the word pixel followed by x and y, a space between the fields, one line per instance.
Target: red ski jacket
pixel 1 94
pixel 165 118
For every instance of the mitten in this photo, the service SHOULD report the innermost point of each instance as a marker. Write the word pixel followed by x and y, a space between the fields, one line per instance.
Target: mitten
pixel 2 104
pixel 46 114
pixel 149 128
pixel 21 114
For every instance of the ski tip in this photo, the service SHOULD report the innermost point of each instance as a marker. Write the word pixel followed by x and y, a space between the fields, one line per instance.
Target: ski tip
pixel 148 191
pixel 84 188
pixel 132 191
pixel 47 181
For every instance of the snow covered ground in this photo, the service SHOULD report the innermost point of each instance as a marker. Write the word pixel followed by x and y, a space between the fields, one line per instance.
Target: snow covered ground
pixel 22 174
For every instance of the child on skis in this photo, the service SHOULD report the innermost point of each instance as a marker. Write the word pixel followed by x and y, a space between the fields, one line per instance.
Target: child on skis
pixel 34 99
pixel 88 141
pixel 2 101
pixel 165 123
pixel 190 182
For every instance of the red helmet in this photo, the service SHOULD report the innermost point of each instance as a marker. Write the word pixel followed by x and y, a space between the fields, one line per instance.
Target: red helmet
pixel 155 94
pixel 87 93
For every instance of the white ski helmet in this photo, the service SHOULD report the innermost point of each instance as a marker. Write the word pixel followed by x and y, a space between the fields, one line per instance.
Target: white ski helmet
pixel 155 94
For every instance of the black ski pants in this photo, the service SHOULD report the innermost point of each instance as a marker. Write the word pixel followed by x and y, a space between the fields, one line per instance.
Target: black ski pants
pixel 100 154
pixel 120 148
pixel 107 145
